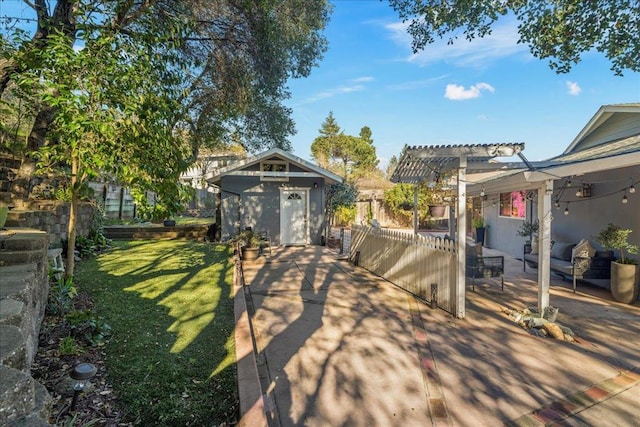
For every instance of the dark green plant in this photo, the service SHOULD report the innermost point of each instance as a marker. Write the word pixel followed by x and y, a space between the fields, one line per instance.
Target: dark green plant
pixel 61 295
pixel 88 326
pixel 248 238
pixel 615 237
pixel 528 228
pixel 478 222
pixel 69 346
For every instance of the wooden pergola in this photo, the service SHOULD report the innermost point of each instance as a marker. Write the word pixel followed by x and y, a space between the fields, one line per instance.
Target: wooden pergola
pixel 425 164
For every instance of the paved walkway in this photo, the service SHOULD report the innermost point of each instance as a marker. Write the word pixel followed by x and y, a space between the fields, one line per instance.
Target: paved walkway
pixel 337 346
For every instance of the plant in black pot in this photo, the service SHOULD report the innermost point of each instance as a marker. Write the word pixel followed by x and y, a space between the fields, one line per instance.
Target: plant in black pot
pixel 478 224
pixel 625 273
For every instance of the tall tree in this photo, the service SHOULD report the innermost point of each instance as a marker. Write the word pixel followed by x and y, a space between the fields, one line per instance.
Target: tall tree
pixel 136 88
pixel 330 126
pixel 560 31
pixel 344 154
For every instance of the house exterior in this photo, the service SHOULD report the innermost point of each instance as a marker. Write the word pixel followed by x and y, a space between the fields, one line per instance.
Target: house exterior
pixel 592 183
pixel 203 202
pixel 273 192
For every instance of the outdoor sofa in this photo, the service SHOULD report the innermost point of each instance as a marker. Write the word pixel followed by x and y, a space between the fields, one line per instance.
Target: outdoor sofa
pixel 575 261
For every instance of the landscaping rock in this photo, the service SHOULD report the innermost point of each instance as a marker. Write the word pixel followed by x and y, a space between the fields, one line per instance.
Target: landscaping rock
pixel 553 330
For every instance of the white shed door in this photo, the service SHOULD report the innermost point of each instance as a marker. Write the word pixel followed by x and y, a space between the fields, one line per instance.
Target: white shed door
pixel 293 217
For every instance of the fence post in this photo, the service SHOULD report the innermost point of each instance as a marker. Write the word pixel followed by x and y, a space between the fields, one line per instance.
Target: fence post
pixel 434 295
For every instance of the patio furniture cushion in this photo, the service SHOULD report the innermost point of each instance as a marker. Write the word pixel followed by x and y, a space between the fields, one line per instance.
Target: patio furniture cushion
pixel 562 251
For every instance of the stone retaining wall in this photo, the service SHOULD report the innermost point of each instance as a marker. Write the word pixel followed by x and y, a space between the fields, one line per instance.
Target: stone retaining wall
pixel 51 217
pixel 24 287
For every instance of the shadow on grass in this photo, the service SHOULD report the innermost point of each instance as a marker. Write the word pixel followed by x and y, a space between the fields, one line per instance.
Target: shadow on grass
pixel 170 304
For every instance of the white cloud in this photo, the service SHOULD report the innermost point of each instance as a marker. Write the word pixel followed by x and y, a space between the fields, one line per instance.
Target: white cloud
pixel 459 93
pixel 364 79
pixel 501 43
pixel 483 117
pixel 573 88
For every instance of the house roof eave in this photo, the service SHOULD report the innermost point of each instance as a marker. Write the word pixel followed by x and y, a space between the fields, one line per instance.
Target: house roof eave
pixel 327 175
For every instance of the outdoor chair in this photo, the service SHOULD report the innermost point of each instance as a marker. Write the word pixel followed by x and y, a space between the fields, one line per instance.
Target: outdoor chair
pixel 265 242
pixel 485 267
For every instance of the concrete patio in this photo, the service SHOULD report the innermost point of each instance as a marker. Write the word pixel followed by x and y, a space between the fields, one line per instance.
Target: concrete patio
pixel 320 342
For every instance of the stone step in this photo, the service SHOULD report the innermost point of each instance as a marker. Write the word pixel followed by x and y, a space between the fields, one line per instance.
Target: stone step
pixel 12 348
pixel 24 241
pixel 15 287
pixel 8 257
pixel 11 312
pixel 23 401
pixel 15 272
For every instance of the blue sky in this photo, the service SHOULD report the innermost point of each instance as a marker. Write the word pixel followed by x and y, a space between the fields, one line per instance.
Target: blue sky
pixel 488 91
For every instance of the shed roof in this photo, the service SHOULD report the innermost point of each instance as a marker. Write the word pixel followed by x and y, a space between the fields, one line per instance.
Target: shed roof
pixel 314 170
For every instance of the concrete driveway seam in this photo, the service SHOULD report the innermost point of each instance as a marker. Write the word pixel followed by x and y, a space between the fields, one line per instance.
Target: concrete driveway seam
pixel 438 410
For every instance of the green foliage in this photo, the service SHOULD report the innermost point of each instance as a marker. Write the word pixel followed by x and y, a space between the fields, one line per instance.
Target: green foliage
pixel 345 215
pixel 69 347
pixel 478 222
pixel 134 89
pixel 344 154
pixel 559 31
pixel 172 351
pixel 61 295
pixel 172 198
pixel 616 237
pixel 248 238
pixel 399 200
pixel 88 326
pixel 528 228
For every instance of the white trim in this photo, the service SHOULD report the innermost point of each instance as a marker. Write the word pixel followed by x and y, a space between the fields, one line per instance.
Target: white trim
pixel 277 152
pixel 600 117
pixel 284 222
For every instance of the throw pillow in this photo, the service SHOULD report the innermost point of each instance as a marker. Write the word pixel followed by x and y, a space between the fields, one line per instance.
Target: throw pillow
pixel 562 251
pixel 583 249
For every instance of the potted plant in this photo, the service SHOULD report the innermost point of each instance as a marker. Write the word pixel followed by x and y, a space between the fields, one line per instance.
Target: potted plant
pixel 250 244
pixel 625 274
pixel 478 224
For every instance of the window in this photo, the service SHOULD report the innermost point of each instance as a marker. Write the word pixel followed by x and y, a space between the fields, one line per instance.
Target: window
pixel 274 170
pixel 513 205
pixel 294 196
pixel 274 166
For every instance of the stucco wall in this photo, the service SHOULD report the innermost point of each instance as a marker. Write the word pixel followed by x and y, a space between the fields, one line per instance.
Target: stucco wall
pixel 587 216
pixel 248 202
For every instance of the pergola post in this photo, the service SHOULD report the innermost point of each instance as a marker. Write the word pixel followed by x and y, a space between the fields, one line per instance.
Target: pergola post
pixel 461 237
pixel 544 243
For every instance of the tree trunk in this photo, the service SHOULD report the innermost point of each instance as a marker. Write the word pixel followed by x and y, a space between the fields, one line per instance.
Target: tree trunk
pixel 71 243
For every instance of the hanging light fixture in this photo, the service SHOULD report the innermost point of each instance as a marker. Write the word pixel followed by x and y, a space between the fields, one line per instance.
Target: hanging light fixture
pixel 624 199
pixel 632 189
pixel 566 210
pixel 557 203
pixel 483 193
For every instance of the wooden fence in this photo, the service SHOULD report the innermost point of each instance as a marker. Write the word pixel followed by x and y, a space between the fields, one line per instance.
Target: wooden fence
pixel 412 262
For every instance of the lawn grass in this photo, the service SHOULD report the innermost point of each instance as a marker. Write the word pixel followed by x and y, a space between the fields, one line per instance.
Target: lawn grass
pixel 171 358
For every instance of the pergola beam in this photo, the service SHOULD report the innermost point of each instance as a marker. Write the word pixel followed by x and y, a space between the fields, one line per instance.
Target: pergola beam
pixel 469 151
